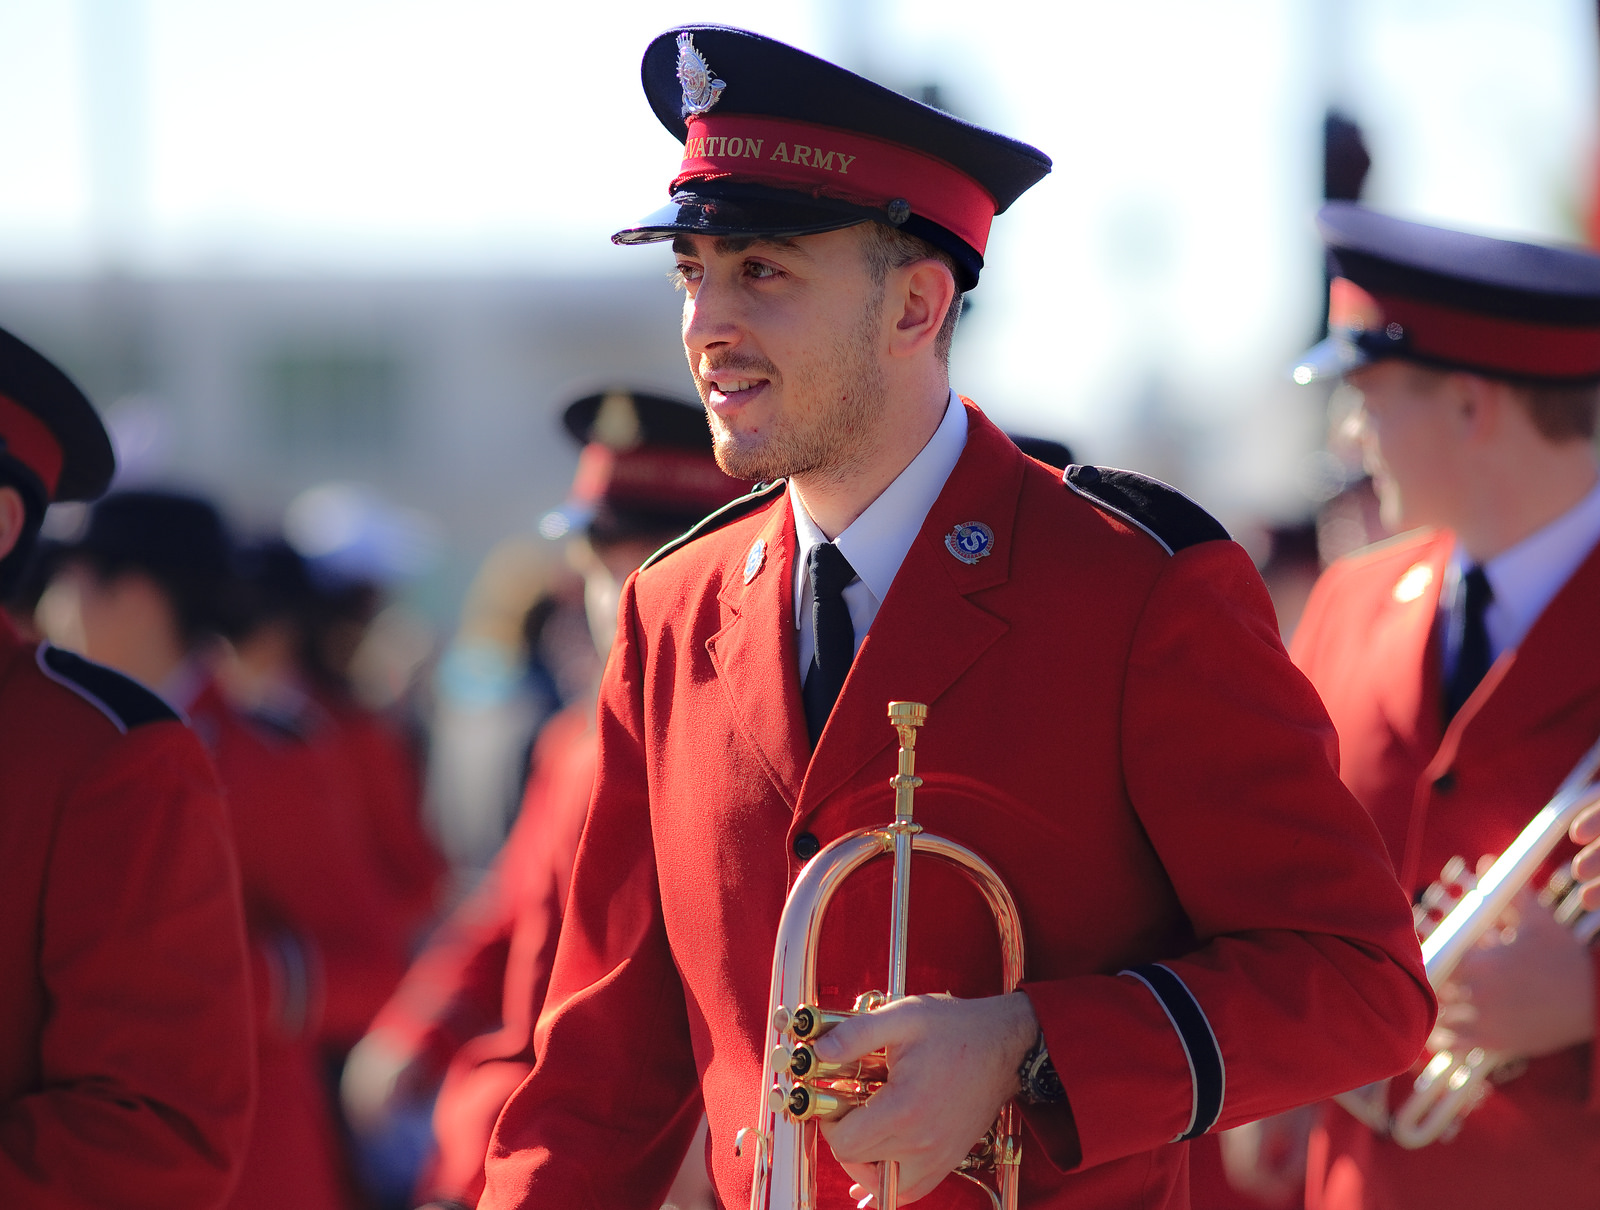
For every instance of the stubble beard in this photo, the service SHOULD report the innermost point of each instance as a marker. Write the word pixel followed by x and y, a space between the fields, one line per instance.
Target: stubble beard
pixel 825 431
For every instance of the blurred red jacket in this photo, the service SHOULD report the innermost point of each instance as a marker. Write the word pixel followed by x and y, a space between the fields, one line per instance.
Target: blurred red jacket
pixel 327 940
pixel 1367 640
pixel 126 1063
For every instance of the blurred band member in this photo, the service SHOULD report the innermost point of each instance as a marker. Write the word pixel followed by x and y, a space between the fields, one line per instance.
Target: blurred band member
pixel 126 1067
pixel 289 657
pixel 151 586
pixel 645 475
pixel 1461 665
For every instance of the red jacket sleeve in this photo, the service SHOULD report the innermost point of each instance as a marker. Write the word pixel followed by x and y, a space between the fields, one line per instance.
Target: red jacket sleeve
pixel 1305 971
pixel 614 1094
pixel 145 1059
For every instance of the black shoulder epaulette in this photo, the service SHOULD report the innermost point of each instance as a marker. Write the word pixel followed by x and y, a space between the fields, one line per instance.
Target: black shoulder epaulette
pixel 123 700
pixel 1163 512
pixel 730 511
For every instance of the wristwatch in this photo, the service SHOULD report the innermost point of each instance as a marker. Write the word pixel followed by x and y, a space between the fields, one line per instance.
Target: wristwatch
pixel 1039 1083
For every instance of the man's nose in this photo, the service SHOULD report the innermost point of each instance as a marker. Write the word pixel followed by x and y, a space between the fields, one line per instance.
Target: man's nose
pixel 710 317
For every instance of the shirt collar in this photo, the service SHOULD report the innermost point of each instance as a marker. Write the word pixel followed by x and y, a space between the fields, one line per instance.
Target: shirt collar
pixel 876 542
pixel 1525 578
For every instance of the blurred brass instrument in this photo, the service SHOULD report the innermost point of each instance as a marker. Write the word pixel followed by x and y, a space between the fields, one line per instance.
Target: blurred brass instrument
pixel 1455 913
pixel 799 1089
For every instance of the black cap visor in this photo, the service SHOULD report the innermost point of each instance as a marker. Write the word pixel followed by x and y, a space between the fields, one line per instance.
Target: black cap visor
pixel 755 211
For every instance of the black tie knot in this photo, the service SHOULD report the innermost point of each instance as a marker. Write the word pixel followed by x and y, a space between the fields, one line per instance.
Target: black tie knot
pixel 831 572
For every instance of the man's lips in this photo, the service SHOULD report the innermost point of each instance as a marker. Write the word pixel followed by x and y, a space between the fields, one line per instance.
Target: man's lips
pixel 726 392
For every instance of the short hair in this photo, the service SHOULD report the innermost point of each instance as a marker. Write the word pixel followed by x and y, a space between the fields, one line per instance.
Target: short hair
pixel 1561 413
pixel 887 248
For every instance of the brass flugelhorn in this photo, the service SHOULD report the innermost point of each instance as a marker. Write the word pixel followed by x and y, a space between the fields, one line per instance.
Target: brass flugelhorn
pixel 1455 913
pixel 798 1090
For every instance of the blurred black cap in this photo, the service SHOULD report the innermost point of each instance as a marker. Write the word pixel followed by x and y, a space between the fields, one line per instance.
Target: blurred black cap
pixel 164 533
pixel 646 468
pixel 48 427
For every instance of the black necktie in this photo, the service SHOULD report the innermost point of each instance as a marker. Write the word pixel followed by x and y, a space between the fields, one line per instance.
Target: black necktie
pixel 834 639
pixel 1472 658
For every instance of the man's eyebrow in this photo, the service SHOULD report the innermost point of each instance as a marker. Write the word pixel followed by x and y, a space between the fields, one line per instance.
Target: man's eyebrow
pixel 732 245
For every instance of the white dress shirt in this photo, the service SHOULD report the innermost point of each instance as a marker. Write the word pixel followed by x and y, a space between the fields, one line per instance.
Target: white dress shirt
pixel 1525 578
pixel 876 542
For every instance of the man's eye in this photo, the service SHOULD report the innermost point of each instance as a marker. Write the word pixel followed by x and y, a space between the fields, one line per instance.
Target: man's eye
pixel 757 268
pixel 686 274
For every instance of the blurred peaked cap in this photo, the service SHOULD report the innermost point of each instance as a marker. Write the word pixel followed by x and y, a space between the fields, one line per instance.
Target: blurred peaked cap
pixel 780 142
pixel 646 466
pixel 625 420
pixel 48 425
pixel 159 532
pixel 1451 299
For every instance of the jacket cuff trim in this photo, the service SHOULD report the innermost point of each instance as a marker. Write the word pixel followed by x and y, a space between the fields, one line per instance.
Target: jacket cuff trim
pixel 1207 1072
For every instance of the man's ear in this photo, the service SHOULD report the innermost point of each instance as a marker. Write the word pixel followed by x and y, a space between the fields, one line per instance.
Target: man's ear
pixel 13 519
pixel 927 292
pixel 1480 404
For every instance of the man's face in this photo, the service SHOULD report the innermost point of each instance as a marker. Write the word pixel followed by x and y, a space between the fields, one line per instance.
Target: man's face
pixel 784 339
pixel 1410 432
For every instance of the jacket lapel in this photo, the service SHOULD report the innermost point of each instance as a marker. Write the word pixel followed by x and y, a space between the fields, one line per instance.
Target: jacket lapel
pixel 1402 641
pixel 927 633
pixel 756 657
pixel 1547 672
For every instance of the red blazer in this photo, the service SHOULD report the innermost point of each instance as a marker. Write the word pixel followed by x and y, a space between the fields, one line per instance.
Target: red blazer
pixel 467 1007
pixel 1367 640
pixel 389 794
pixel 327 942
pixel 1116 729
pixel 126 1064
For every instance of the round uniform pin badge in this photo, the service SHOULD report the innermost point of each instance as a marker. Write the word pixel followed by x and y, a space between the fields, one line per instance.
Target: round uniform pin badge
pixel 755 559
pixel 970 541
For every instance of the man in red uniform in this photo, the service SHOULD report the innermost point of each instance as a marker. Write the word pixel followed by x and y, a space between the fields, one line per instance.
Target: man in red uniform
pixel 1461 665
pixel 466 1011
pixel 126 1065
pixel 150 578
pixel 1213 932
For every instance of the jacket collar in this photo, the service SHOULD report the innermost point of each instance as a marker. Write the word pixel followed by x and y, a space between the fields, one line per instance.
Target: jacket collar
pixel 927 632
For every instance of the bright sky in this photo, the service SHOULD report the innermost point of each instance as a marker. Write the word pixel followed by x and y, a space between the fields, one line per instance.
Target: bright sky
pixel 1170 254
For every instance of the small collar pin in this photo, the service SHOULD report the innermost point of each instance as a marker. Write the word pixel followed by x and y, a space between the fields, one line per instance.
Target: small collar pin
pixel 970 541
pixel 755 560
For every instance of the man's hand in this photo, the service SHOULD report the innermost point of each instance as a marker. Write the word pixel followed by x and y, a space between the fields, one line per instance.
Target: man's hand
pixel 1529 995
pixel 1585 831
pixel 952 1064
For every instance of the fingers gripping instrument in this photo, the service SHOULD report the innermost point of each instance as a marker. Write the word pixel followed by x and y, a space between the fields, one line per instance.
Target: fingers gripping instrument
pixel 1455 913
pixel 799 1089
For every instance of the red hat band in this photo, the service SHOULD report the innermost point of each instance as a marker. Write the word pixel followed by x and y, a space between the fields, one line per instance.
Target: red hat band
pixel 653 478
pixel 30 441
pixel 826 162
pixel 1517 348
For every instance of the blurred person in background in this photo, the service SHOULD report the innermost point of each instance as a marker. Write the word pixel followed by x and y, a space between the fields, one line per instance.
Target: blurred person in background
pixel 1461 666
pixel 289 656
pixel 147 589
pixel 465 1014
pixel 126 1065
pixel 520 653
